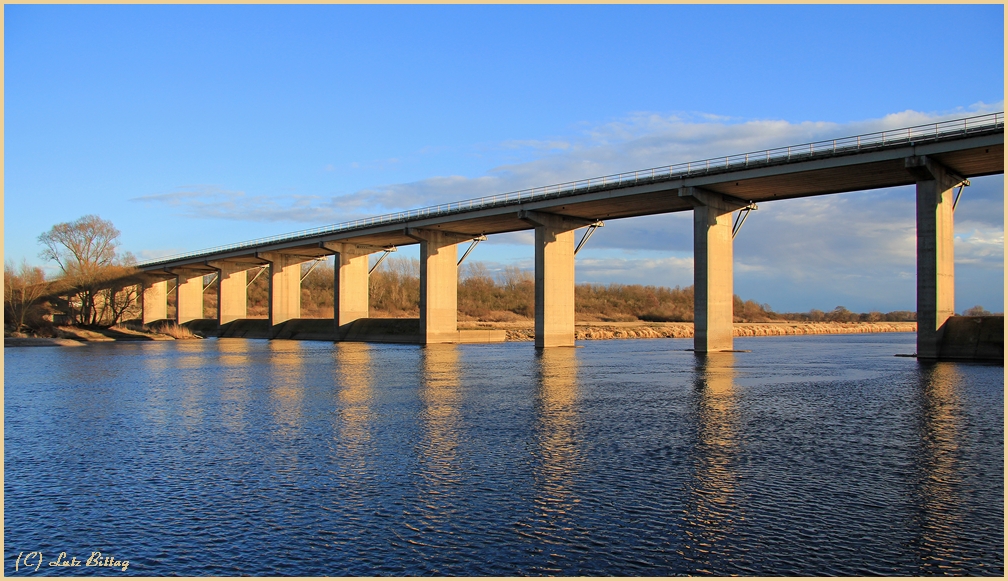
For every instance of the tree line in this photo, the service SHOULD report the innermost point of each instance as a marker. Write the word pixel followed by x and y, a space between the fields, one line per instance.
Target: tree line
pixel 509 295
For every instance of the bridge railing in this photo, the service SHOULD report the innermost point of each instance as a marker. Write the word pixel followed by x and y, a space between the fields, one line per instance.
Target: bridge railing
pixel 779 155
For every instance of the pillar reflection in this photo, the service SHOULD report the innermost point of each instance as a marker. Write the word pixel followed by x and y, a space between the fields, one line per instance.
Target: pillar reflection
pixel 556 434
pixel 158 369
pixel 235 361
pixel 432 516
pixel 939 507
pixel 286 387
pixel 711 507
pixel 354 381
pixel 440 399
pixel 189 369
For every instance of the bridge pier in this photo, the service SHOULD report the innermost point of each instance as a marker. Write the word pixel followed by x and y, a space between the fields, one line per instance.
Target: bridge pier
pixel 554 277
pixel 350 282
pixel 284 288
pixel 188 295
pixel 438 284
pixel 713 293
pixel 232 290
pixel 153 301
pixel 935 256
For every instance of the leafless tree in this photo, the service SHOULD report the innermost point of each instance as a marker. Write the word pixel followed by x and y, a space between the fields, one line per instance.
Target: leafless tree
pixel 86 252
pixel 24 288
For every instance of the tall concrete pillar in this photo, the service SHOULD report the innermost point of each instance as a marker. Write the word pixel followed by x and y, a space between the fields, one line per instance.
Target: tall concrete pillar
pixel 438 285
pixel 154 301
pixel 350 282
pixel 554 278
pixel 935 256
pixel 232 297
pixel 188 296
pixel 284 287
pixel 713 294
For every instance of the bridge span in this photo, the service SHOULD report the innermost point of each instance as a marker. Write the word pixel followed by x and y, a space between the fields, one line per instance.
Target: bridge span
pixel 938 158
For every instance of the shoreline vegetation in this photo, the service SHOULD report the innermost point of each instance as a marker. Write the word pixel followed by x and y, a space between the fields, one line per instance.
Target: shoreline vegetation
pixel 516 331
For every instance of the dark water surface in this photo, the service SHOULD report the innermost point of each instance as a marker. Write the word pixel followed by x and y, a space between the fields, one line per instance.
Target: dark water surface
pixel 809 455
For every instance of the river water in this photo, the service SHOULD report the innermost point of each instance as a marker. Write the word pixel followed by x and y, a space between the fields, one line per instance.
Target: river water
pixel 821 455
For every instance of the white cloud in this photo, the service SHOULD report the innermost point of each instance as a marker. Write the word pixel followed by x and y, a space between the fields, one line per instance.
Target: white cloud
pixel 639 141
pixel 982 247
pixel 665 271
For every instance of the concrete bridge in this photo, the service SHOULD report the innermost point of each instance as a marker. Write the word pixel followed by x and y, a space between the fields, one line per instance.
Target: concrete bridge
pixel 938 158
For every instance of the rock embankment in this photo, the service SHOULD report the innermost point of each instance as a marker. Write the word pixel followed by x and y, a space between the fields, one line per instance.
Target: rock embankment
pixel 639 330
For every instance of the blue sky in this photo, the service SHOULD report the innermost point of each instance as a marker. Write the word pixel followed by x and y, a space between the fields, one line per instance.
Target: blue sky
pixel 195 126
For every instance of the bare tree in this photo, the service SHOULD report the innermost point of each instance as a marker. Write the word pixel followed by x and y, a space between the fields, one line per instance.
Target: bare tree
pixel 85 251
pixel 512 278
pixel 475 270
pixel 24 288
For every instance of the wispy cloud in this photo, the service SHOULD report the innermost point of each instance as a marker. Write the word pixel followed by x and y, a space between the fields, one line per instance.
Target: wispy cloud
pixel 537 145
pixel 640 140
pixel 212 202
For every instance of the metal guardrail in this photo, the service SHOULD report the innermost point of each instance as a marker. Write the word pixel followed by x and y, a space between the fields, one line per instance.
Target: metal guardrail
pixel 779 155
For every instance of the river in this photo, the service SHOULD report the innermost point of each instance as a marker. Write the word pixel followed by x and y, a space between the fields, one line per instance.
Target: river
pixel 812 455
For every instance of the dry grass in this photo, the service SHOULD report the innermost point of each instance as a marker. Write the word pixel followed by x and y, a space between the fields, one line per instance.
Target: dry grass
pixel 174 330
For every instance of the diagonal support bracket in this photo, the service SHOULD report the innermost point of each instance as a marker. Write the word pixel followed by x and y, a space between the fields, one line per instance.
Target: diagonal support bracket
pixel 741 218
pixel 262 269
pixel 213 279
pixel 587 235
pixel 962 186
pixel 475 241
pixel 314 263
pixel 388 249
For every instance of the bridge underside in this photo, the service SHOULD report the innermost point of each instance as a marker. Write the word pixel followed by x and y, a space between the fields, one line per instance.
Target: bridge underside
pixel 935 169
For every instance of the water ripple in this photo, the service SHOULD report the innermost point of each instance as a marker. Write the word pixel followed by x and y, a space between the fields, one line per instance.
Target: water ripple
pixel 808 456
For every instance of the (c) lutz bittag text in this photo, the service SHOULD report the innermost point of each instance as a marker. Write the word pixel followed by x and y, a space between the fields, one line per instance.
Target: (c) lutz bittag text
pixel 33 561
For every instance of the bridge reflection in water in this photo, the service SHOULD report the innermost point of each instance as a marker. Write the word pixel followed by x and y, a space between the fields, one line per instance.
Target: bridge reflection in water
pixel 440 401
pixel 235 358
pixel 555 439
pixel 712 509
pixel 354 381
pixel 622 457
pixel 940 418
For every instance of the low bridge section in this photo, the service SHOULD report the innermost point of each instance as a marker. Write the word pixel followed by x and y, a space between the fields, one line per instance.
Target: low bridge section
pixel 938 158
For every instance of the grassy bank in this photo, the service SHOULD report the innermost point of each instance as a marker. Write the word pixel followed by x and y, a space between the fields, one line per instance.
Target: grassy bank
pixel 525 331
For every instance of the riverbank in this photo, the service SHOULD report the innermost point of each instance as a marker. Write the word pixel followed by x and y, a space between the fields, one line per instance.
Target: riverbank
pixel 517 331
pixel 525 331
pixel 75 336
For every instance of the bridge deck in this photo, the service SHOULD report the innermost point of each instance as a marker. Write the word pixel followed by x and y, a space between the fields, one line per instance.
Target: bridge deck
pixel 975 151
